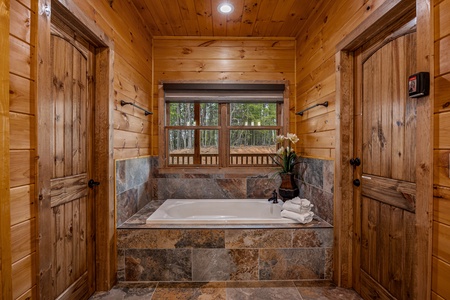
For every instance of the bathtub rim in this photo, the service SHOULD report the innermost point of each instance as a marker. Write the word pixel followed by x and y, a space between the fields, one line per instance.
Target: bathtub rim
pixel 138 220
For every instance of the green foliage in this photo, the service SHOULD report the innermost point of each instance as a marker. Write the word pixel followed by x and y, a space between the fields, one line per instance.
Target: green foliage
pixel 252 115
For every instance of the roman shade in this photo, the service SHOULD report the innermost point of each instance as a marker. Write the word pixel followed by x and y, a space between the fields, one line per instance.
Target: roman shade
pixel 224 92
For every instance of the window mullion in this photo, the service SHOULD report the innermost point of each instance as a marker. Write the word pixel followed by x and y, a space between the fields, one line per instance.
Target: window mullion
pixel 224 138
pixel 197 156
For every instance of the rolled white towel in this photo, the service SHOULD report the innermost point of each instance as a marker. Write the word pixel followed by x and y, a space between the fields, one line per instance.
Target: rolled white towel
pixel 301 209
pixel 302 218
pixel 302 202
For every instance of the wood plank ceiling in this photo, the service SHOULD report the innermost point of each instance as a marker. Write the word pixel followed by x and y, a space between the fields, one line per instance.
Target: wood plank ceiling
pixel 257 18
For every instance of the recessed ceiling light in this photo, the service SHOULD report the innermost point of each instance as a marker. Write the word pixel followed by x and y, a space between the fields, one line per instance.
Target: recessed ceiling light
pixel 225 8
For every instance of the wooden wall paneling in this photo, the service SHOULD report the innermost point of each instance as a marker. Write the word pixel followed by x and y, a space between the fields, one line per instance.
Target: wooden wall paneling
pixel 224 42
pixel 30 294
pixel 435 296
pixel 441 170
pixel 5 229
pixel 23 206
pixel 441 205
pixel 28 4
pixel 20 21
pixel 119 22
pixel 127 122
pixel 23 130
pixel 224 59
pixel 442 125
pixel 317 75
pixel 318 91
pixel 441 19
pixel 440 284
pixel 225 65
pixel 320 37
pixel 23 275
pixel 322 139
pixel 23 240
pixel 224 76
pixel 442 57
pixel 21 95
pixel 22 167
pixel 20 58
pixel 441 241
pixel 441 99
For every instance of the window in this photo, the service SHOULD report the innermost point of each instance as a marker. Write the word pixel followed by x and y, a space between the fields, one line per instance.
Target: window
pixel 222 125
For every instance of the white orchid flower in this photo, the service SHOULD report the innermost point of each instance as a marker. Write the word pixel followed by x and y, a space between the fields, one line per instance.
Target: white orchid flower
pixel 279 139
pixel 280 151
pixel 292 137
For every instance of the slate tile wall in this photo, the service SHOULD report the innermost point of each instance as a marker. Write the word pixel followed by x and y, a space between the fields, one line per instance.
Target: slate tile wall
pixel 203 255
pixel 316 183
pixel 211 186
pixel 133 186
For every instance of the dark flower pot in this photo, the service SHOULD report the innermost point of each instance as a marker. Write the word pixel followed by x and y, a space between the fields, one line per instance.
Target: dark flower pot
pixel 288 189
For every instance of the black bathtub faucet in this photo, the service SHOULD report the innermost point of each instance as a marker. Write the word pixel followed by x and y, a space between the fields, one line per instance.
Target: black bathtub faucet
pixel 274 197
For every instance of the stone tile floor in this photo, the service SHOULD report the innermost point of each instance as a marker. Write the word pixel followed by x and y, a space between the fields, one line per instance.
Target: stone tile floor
pixel 257 290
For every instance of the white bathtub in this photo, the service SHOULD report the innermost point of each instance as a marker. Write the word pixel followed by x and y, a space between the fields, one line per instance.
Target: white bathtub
pixel 218 211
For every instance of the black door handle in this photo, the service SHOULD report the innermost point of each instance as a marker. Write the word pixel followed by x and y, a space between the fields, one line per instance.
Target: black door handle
pixel 355 161
pixel 356 182
pixel 93 183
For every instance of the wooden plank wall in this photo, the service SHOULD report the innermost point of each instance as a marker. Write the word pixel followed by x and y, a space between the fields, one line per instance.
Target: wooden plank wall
pixel 5 222
pixel 441 216
pixel 132 82
pixel 22 148
pixel 132 73
pixel 316 48
pixel 223 59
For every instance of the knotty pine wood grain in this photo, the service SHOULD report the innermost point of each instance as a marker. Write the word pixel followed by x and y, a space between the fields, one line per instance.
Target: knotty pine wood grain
pixel 441 205
pixel 440 273
pixel 441 19
pixel 22 239
pixel 20 21
pixel 5 229
pixel 23 275
pixel 224 59
pixel 23 206
pixel 21 95
pixel 315 63
pixel 441 241
pixel 441 180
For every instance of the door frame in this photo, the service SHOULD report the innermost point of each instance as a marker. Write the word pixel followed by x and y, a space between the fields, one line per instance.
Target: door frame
pixel 103 166
pixel 386 19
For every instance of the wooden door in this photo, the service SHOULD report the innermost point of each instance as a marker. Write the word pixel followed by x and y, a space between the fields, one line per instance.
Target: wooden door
pixel 71 157
pixel 385 125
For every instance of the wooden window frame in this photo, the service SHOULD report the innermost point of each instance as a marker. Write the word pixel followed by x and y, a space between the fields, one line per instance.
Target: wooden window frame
pixel 224 129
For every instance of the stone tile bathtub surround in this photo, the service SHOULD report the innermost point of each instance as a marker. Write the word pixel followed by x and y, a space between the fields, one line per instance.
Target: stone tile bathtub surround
pixel 203 255
pixel 158 265
pixel 292 264
pixel 210 186
pixel 224 264
pixel 133 186
pixel 316 183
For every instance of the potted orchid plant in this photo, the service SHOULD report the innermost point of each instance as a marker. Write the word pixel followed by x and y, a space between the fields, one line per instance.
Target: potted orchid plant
pixel 286 158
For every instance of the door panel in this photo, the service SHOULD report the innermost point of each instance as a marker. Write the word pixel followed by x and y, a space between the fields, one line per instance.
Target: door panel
pixel 71 147
pixel 385 201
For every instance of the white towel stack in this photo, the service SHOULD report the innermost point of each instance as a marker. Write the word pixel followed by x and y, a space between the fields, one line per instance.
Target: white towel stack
pixel 298 209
